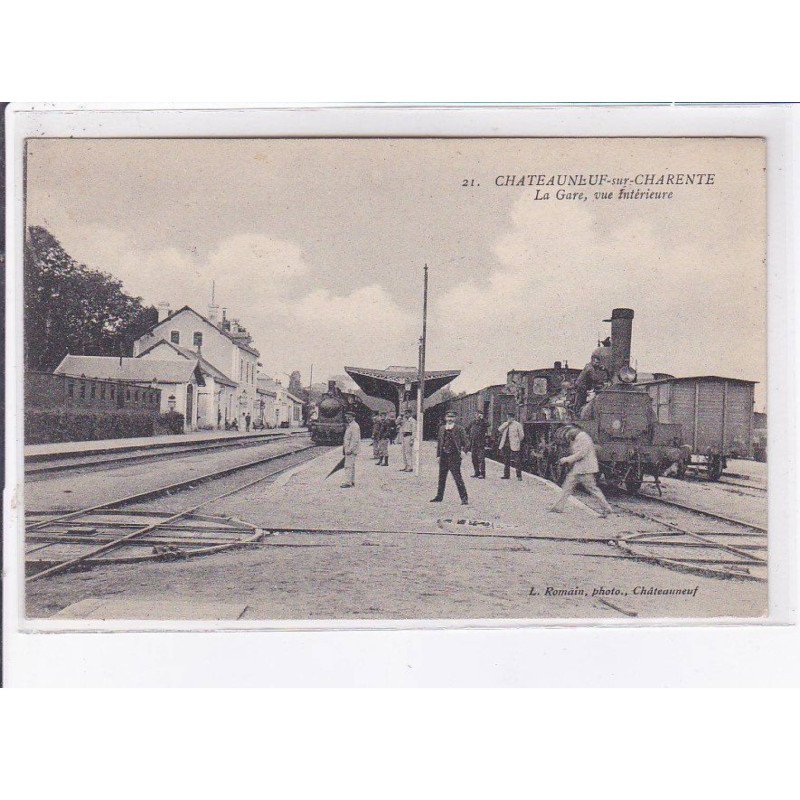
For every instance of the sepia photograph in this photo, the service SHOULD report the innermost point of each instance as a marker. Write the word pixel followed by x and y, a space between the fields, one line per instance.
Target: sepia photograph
pixel 392 379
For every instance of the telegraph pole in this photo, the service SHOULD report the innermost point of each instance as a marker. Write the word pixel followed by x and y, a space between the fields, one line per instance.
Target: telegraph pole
pixel 421 373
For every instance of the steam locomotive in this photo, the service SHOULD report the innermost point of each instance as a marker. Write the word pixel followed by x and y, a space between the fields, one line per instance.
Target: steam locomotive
pixel 616 412
pixel 327 421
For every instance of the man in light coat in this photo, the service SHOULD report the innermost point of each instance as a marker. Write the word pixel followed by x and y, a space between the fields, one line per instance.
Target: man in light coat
pixel 511 435
pixel 584 467
pixel 350 446
pixel 407 432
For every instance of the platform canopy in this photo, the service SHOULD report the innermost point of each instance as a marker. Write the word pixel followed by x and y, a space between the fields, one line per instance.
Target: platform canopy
pixel 397 383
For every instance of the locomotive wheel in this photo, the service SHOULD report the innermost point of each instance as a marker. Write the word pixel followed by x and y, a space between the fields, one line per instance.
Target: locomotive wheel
pixel 633 484
pixel 633 480
pixel 714 468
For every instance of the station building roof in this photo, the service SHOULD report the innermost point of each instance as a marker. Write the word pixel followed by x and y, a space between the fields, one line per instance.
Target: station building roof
pixel 133 370
pixel 191 355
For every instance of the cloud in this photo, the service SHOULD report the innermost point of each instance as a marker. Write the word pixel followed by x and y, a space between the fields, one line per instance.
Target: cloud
pixel 269 286
pixel 559 269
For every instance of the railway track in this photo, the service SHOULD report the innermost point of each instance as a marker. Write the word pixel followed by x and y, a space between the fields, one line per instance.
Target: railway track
pixel 100 529
pixel 737 484
pixel 731 554
pixel 46 466
pixel 736 553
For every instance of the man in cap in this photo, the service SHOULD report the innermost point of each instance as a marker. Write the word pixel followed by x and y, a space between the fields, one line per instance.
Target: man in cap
pixel 511 435
pixel 593 376
pixel 350 447
pixel 408 430
pixel 584 466
pixel 476 431
pixel 384 428
pixel 452 440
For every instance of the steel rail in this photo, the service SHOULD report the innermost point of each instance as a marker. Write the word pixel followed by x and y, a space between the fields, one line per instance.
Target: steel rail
pixel 174 487
pixel 696 536
pixel 694 509
pixel 104 548
pixel 129 457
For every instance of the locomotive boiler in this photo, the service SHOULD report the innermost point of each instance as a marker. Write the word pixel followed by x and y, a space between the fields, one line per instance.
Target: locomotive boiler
pixel 328 423
pixel 615 412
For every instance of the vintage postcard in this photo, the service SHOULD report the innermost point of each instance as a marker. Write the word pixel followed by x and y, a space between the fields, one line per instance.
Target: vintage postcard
pixel 341 379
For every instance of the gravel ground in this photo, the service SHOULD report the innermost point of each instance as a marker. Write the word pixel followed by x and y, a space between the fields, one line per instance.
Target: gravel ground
pixel 412 559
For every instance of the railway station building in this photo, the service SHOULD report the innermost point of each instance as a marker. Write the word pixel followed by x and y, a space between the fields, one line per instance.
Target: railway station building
pixel 180 381
pixel 226 351
pixel 216 399
pixel 278 407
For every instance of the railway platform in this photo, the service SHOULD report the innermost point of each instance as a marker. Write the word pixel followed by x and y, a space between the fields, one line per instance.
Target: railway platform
pixel 387 499
pixel 57 450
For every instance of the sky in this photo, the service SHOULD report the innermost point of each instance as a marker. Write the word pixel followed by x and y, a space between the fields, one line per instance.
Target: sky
pixel 317 246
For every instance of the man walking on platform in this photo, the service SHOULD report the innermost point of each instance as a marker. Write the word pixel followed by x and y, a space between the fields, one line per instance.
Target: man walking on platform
pixel 476 431
pixel 408 431
pixel 351 445
pixel 452 440
pixel 511 435
pixel 584 468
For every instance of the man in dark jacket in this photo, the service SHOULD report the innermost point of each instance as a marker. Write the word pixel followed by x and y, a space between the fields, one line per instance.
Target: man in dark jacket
pixel 384 431
pixel 452 440
pixel 593 377
pixel 376 432
pixel 476 431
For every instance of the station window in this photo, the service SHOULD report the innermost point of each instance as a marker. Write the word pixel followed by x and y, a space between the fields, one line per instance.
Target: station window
pixel 136 395
pixel 94 391
pixel 83 390
pixel 71 389
pixel 113 392
pixel 175 337
pixel 102 391
pixel 127 394
pixel 197 339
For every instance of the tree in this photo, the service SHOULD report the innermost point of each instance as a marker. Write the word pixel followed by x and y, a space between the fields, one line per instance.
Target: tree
pixel 70 308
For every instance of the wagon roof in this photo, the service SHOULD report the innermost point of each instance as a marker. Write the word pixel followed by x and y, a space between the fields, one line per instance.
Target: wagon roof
pixel 698 378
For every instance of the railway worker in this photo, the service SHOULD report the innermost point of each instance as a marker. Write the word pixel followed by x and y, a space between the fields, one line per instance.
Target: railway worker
pixel 247 421
pixel 394 429
pixel 476 431
pixel 511 436
pixel 384 430
pixel 407 433
pixel 350 446
pixel 376 432
pixel 584 467
pixel 452 440
pixel 593 376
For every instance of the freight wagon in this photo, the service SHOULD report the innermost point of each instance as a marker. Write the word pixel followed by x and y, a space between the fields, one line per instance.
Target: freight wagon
pixel 492 402
pixel 715 414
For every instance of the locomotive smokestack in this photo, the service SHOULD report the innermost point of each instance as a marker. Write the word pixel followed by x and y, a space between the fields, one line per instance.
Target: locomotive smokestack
pixel 331 386
pixel 621 327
